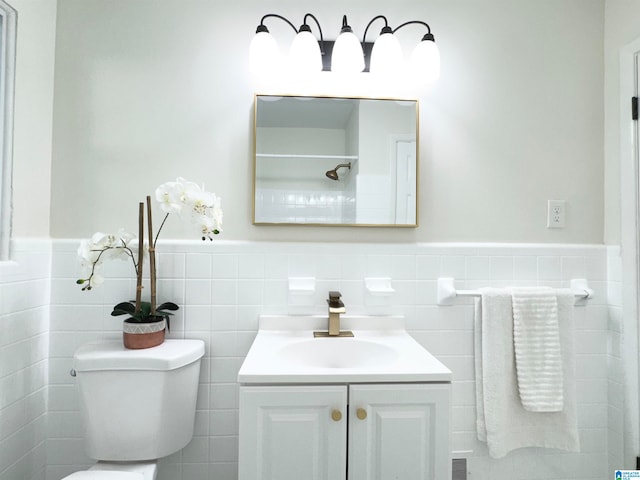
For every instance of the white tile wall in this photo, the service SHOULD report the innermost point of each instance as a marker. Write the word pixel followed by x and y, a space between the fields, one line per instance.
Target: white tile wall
pixel 615 366
pixel 24 320
pixel 226 286
pixel 320 206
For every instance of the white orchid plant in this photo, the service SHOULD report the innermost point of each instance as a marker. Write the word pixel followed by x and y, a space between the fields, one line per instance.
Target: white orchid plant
pixel 199 208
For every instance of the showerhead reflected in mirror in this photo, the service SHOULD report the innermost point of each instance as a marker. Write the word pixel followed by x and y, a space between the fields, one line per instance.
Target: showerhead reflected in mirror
pixel 368 148
pixel 333 174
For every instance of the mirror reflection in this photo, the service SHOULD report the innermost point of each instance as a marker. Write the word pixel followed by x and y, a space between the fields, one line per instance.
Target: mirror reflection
pixel 335 161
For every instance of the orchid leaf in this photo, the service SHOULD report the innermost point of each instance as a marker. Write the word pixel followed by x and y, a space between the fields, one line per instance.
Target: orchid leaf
pixel 144 315
pixel 168 306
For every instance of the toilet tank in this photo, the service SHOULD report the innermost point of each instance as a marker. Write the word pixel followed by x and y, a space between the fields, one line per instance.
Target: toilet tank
pixel 137 404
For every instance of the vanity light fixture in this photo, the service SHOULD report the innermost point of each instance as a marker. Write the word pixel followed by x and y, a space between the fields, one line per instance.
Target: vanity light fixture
pixel 346 54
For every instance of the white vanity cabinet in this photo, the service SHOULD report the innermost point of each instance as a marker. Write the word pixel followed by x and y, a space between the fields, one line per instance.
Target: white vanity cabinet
pixel 337 432
pixel 287 432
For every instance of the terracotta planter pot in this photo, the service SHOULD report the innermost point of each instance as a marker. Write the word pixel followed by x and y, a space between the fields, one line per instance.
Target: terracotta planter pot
pixel 143 335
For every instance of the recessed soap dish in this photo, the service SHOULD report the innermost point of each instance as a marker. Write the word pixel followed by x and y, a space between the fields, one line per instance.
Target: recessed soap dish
pixel 301 295
pixel 379 286
pixel 302 285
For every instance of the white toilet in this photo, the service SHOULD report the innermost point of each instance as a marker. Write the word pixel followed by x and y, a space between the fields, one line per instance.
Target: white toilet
pixel 137 405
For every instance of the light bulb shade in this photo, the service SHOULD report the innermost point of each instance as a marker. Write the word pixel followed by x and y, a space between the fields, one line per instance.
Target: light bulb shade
pixel 425 61
pixel 347 55
pixel 386 55
pixel 264 55
pixel 304 54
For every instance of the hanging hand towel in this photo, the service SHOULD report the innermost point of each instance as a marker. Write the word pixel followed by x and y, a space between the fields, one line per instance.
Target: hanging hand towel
pixel 536 343
pixel 501 420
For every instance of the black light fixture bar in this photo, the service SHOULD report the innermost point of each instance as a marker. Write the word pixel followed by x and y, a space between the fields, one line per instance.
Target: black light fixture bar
pixel 328 50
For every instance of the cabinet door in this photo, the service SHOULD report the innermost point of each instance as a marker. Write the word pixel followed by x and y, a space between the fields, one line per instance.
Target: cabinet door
pixel 399 432
pixel 293 433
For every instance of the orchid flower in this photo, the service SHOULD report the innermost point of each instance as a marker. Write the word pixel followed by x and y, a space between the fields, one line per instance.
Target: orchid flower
pixel 192 204
pixel 186 199
pixel 101 247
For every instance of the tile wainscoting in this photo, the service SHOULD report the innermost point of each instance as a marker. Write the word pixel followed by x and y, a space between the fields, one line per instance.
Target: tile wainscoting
pixel 24 352
pixel 224 286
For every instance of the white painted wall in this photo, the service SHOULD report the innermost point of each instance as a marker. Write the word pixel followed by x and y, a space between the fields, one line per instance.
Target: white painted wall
pixel 146 91
pixel 33 116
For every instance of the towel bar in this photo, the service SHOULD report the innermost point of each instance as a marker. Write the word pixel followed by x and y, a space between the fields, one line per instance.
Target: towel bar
pixel 447 291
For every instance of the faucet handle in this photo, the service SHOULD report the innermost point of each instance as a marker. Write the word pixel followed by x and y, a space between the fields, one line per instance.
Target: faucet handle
pixel 334 299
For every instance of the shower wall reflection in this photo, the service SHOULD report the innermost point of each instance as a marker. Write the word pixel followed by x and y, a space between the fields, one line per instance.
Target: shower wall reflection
pixel 335 161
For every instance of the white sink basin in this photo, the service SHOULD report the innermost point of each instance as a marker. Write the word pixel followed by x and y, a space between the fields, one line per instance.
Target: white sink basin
pixel 338 353
pixel 381 350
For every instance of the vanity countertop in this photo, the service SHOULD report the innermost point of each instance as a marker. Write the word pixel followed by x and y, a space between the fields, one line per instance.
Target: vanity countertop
pixel 381 350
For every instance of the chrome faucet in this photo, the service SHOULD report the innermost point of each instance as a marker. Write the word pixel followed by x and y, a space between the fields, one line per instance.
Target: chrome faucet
pixel 336 307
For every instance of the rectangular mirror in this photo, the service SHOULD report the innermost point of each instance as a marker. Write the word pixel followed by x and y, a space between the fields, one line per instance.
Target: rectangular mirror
pixel 335 161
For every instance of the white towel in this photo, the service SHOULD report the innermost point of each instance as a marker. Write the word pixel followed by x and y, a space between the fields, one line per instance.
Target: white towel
pixel 536 342
pixel 502 422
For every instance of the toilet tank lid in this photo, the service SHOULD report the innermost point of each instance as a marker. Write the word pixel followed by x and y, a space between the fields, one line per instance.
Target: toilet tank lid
pixel 112 355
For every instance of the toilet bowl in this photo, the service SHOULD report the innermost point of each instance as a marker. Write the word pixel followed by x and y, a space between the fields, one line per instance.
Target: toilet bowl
pixel 137 405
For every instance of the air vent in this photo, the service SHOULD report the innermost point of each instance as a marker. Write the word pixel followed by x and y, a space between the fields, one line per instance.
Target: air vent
pixel 459 469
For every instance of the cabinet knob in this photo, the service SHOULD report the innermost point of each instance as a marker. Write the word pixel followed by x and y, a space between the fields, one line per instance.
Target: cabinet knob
pixel 361 413
pixel 336 415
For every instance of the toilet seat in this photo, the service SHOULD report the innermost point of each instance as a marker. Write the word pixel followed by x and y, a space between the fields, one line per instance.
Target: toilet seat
pixel 103 475
pixel 117 471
